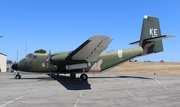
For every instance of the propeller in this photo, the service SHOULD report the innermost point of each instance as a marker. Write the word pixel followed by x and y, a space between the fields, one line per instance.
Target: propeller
pixel 49 62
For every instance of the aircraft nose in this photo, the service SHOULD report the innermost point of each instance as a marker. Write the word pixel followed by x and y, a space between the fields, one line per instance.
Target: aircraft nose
pixel 14 66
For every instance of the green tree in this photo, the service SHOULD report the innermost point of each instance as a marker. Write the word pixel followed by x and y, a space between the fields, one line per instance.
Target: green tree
pixel 40 51
pixel 9 61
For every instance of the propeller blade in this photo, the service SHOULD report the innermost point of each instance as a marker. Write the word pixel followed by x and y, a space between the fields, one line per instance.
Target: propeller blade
pixel 49 62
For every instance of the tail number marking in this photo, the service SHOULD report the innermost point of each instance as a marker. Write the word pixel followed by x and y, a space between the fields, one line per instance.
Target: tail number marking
pixel 153 32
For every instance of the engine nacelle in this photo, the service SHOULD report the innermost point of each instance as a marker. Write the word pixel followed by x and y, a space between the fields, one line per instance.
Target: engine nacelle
pixel 58 59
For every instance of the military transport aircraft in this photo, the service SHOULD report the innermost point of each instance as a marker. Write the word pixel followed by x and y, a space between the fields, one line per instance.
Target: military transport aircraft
pixel 87 58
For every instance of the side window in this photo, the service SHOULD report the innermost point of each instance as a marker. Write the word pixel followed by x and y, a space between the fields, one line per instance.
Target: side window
pixel 34 56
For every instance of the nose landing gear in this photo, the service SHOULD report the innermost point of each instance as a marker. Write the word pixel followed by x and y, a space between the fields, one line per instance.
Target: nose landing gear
pixel 17 76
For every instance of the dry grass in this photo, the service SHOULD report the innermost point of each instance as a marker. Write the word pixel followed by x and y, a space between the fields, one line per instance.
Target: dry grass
pixel 148 68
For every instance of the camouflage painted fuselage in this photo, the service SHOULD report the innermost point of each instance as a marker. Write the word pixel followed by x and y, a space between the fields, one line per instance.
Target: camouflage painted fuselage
pixel 59 62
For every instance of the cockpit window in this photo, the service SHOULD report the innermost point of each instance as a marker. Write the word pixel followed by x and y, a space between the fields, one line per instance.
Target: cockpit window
pixel 34 56
pixel 70 52
pixel 31 56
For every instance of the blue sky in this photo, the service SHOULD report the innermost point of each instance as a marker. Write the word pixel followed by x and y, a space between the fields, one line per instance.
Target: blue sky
pixel 62 25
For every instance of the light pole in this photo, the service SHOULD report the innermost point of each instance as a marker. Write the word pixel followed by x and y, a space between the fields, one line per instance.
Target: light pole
pixel 17 56
pixel 26 46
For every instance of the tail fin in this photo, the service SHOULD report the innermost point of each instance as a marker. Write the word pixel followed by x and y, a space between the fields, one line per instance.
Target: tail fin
pixel 151 39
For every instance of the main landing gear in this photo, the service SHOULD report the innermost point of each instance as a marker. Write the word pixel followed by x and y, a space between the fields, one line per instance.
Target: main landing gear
pixel 72 75
pixel 17 76
pixel 83 76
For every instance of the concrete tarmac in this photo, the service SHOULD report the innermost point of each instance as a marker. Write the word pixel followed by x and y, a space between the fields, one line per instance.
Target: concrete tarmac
pixel 101 90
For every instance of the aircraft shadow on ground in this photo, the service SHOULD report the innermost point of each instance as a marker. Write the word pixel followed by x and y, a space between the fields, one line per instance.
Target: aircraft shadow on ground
pixel 136 77
pixel 68 82
pixel 71 83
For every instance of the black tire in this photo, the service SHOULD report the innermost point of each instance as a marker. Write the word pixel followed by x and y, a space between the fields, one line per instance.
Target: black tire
pixel 18 77
pixel 84 77
pixel 73 75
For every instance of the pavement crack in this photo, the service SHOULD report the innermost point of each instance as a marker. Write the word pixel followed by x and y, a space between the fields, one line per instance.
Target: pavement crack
pixel 78 99
pixel 116 103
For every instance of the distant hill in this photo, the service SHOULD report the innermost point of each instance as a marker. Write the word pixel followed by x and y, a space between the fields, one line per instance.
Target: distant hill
pixel 148 68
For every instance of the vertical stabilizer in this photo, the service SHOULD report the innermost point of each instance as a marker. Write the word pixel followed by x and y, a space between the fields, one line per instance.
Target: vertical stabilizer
pixel 150 29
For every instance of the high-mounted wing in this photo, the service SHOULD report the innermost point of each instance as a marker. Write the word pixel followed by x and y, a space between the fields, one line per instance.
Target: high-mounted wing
pixel 91 48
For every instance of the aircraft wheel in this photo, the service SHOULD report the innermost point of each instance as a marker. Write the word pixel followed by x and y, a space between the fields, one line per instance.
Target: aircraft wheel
pixel 73 75
pixel 18 76
pixel 84 77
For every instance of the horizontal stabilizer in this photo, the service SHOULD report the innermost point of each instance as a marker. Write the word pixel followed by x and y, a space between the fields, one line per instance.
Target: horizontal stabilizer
pixel 153 39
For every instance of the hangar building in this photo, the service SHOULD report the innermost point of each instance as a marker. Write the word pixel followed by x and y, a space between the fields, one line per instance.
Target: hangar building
pixel 3 58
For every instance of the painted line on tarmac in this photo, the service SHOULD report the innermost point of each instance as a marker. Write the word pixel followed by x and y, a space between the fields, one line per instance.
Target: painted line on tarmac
pixel 160 83
pixel 78 99
pixel 165 87
pixel 11 101
pixel 129 82
pixel 131 95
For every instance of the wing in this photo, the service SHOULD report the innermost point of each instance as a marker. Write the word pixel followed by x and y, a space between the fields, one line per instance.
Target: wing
pixel 91 48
